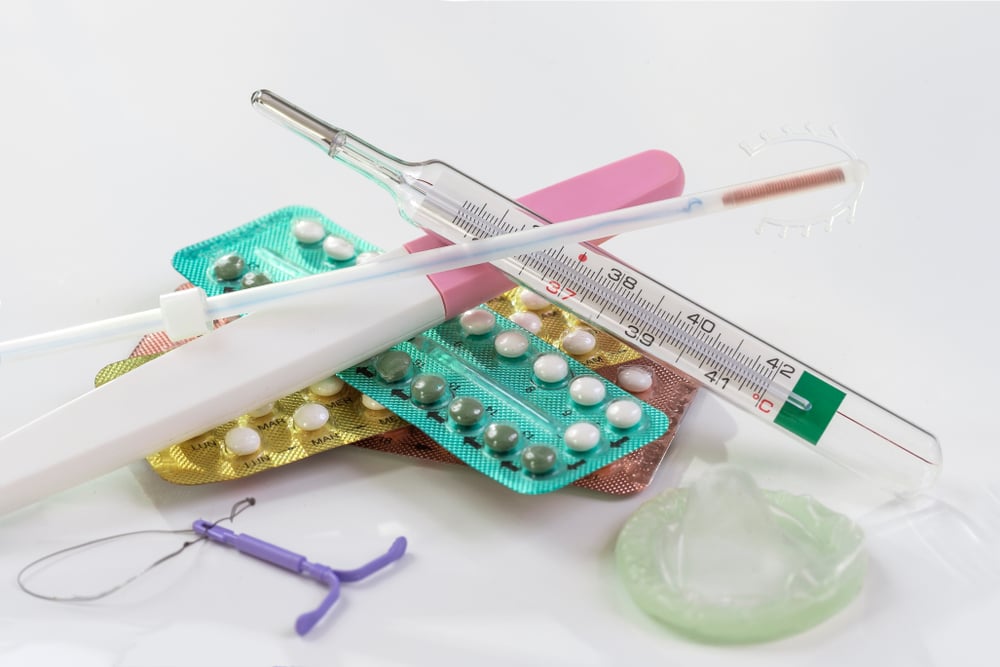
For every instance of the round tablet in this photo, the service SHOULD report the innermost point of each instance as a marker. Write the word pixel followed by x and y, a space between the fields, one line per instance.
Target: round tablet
pixel 310 416
pixel 532 301
pixel 331 386
pixel 477 321
pixel 550 368
pixel 428 388
pixel 579 341
pixel 229 267
pixel 254 279
pixel 371 403
pixel 538 459
pixel 242 440
pixel 307 231
pixel 338 248
pixel 367 256
pixel 529 321
pixel 262 411
pixel 511 344
pixel 465 410
pixel 587 390
pixel 635 379
pixel 393 365
pixel 623 413
pixel 501 437
pixel 582 436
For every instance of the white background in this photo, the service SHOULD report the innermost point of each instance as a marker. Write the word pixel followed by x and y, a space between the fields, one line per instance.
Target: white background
pixel 126 133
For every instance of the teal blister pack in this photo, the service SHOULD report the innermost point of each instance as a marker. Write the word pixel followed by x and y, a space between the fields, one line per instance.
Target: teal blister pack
pixel 504 401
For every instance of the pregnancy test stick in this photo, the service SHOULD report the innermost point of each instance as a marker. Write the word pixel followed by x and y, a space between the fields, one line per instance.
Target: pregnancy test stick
pixel 272 353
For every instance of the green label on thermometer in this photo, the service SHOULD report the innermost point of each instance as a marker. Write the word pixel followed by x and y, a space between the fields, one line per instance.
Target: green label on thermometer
pixel 810 424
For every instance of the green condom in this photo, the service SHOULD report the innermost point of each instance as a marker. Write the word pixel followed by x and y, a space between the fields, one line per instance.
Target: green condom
pixel 724 561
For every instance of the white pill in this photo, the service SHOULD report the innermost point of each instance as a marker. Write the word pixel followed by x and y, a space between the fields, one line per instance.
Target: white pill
pixel 263 410
pixel 311 416
pixel 307 231
pixel 367 256
pixel 242 440
pixel 511 344
pixel 582 436
pixel 635 379
pixel 476 322
pixel 328 387
pixel 550 368
pixel 587 390
pixel 623 414
pixel 532 301
pixel 371 403
pixel 338 248
pixel 579 341
pixel 529 321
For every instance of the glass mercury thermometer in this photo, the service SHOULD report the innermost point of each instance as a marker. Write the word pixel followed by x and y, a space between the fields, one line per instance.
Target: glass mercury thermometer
pixel 619 299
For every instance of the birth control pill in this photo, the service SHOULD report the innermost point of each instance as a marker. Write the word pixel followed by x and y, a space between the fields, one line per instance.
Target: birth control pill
pixel 371 403
pixel 477 322
pixel 393 365
pixel 331 386
pixel 307 231
pixel 338 248
pixel 587 390
pixel 529 321
pixel 254 279
pixel 582 436
pixel 550 368
pixel 532 301
pixel 365 257
pixel 501 437
pixel 579 341
pixel 229 267
pixel 538 459
pixel 242 440
pixel 262 411
pixel 623 413
pixel 635 379
pixel 428 388
pixel 310 416
pixel 465 410
pixel 511 344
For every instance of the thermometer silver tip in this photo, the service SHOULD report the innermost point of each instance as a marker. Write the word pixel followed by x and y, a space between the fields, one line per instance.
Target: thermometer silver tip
pixel 295 119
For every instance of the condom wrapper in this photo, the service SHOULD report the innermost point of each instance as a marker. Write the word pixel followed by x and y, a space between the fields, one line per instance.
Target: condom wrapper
pixel 726 562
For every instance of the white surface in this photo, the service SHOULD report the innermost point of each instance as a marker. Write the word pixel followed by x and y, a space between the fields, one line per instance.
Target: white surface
pixel 127 133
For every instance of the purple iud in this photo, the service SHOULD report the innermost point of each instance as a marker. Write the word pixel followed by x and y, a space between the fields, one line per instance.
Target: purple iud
pixel 293 562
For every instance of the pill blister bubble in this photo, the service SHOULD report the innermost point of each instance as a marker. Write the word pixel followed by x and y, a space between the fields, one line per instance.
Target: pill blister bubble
pixel 532 301
pixel 242 440
pixel 587 391
pixel 501 437
pixel 550 368
pixel 538 459
pixel 428 388
pixel 371 403
pixel 511 344
pixel 229 267
pixel 338 248
pixel 261 411
pixel 635 379
pixel 529 321
pixel 466 411
pixel 330 386
pixel 310 416
pixel 254 279
pixel 623 413
pixel 477 321
pixel 577 341
pixel 307 231
pixel 393 366
pixel 582 436
pixel 367 256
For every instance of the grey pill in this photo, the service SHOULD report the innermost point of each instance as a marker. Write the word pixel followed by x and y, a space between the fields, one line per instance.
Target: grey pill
pixel 428 388
pixel 538 459
pixel 229 267
pixel 465 410
pixel 393 366
pixel 255 279
pixel 501 437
